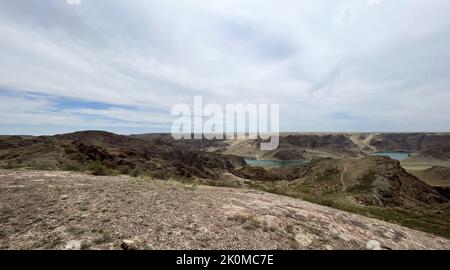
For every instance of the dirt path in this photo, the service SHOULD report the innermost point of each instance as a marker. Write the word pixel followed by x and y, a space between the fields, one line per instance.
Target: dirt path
pixel 344 171
pixel 48 210
pixel 363 143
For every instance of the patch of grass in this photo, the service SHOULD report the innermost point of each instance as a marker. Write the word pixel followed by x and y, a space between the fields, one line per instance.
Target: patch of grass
pixel 106 220
pixel 42 167
pixel 191 188
pixel 83 208
pixel 148 247
pixel 51 242
pixel 10 166
pixel 195 182
pixel 248 222
pixel 437 224
pixel 99 169
pixel 71 167
pixel 105 237
pixel 75 231
pixel 2 233
pixel 134 173
pixel 365 184
pixel 161 174
pixel 239 218
pixel 251 225
pixel 85 245
pixel 326 175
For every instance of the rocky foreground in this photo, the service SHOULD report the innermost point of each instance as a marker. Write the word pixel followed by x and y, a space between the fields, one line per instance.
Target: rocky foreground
pixel 67 210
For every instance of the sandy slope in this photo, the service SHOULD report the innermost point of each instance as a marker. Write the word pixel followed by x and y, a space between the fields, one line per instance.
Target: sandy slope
pixel 42 210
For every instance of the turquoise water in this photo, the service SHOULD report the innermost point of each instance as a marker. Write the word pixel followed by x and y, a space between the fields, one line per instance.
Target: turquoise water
pixel 284 163
pixel 394 155
pixel 274 163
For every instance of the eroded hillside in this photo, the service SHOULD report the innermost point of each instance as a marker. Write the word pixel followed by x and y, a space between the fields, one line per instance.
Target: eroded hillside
pixel 108 153
pixel 373 186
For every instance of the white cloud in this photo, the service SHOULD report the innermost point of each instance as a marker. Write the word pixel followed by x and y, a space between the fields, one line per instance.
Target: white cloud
pixel 125 115
pixel 313 57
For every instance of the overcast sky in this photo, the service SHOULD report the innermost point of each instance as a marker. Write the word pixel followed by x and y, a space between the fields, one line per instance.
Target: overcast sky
pixel 120 65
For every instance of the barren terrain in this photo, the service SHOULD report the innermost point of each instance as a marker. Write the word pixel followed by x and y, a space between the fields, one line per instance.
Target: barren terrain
pixel 58 210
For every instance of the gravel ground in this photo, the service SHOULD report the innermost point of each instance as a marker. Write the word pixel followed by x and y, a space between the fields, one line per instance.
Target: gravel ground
pixel 67 210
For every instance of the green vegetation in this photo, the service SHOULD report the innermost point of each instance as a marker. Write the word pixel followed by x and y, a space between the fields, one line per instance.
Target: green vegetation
pixel 105 237
pixel 248 222
pixel 85 245
pixel 2 233
pixel 365 184
pixel 326 175
pixel 429 220
pixel 322 188
pixel 11 166
pixel 148 247
pixel 51 242
pixel 436 222
pixel 75 231
pixel 97 168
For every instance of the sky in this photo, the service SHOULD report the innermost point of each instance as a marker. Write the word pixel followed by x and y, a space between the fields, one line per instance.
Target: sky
pixel 120 65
